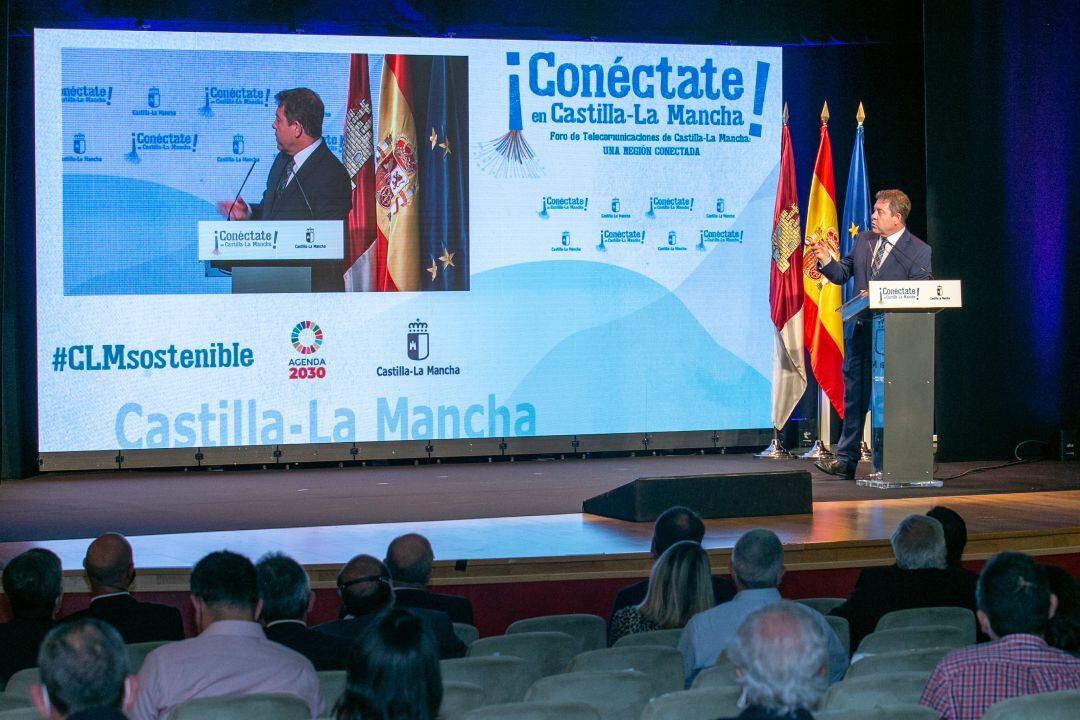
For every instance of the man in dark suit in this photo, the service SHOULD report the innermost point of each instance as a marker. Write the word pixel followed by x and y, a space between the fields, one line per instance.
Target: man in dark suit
pixel 32 583
pixel 110 568
pixel 285 597
pixel 306 181
pixel 409 559
pixel 365 589
pixel 920 578
pixel 890 252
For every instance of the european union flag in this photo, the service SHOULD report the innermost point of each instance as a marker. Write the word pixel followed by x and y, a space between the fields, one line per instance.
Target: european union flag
pixel 856 218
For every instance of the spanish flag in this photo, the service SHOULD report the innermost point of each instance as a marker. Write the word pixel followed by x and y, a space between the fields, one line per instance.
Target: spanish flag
pixel 823 328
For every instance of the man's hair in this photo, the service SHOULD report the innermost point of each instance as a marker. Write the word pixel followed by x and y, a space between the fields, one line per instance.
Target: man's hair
pixel 225 579
pixel 675 525
pixel 955 533
pixel 32 582
pixel 371 594
pixel 1063 630
pixel 409 559
pixel 83 665
pixel 284 588
pixel 757 559
pixel 1013 593
pixel 918 543
pixel 782 653
pixel 680 586
pixel 899 202
pixel 305 107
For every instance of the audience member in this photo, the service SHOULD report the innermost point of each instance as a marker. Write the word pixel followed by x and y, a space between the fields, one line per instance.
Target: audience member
pixel 393 672
pixel 919 578
pixel 110 569
pixel 757 565
pixel 365 589
pixel 1063 629
pixel 409 559
pixel 286 599
pixel 1014 607
pixel 955 535
pixel 231 655
pixel 781 661
pixel 675 524
pixel 679 587
pixel 84 673
pixel 32 583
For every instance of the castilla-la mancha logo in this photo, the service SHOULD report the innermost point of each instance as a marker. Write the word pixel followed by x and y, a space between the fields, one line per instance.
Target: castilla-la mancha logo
pixel 417 340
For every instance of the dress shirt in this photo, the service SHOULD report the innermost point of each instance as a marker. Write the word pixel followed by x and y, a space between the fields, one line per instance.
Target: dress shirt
pixel 230 657
pixel 709 633
pixel 299 158
pixel 968 681
pixel 891 243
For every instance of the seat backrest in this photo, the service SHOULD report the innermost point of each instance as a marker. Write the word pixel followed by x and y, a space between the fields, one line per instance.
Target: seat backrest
pixel 667 638
pixel 822 604
pixel 13 702
pixel 911 638
pixel 23 713
pixel 694 705
pixel 875 691
pixel 1064 705
pixel 535 711
pixel 548 652
pixel 332 684
pixel 663 665
pixel 722 674
pixel 590 631
pixel 20 682
pixel 504 679
pixel 842 628
pixel 459 698
pixel 923 660
pixel 466 633
pixel 616 695
pixel 921 617
pixel 259 706
pixel 904 711
pixel 137 653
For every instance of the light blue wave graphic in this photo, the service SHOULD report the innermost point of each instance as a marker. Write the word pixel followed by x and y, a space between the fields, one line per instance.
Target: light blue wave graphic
pixel 131 237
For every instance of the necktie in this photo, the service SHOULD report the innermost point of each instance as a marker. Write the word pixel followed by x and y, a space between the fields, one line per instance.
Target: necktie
pixel 290 170
pixel 879 257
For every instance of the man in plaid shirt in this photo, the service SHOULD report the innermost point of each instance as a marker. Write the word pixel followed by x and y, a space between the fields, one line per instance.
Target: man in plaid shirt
pixel 1014 606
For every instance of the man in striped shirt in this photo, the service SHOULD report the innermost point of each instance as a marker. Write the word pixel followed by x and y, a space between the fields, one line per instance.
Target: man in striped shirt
pixel 1015 604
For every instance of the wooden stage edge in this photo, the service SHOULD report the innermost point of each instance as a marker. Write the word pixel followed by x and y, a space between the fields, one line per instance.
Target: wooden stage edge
pixel 841 534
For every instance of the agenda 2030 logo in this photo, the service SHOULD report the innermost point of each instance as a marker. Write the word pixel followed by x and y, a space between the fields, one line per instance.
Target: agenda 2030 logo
pixel 307 339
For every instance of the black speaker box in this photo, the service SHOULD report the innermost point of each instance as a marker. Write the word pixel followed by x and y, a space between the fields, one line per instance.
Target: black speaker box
pixel 710 496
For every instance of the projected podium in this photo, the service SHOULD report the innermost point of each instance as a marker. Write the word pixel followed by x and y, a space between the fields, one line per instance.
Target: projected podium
pixel 275 256
pixel 902 397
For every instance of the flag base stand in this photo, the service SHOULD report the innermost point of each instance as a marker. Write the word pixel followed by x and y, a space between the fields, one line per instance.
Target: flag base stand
pixel 775 451
pixel 816 452
pixel 864 453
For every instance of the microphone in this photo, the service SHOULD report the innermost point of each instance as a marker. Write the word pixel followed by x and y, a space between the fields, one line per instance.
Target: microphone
pixel 296 179
pixel 241 188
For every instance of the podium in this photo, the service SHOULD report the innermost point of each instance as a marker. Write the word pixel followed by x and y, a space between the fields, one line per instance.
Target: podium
pixel 902 370
pixel 273 256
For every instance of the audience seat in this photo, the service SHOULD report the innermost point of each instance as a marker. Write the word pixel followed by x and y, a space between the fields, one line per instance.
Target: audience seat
pixel 19 683
pixel 663 665
pixel 923 660
pixel 842 628
pixel 904 711
pixel 875 691
pixel 910 638
pixel 23 713
pixel 258 706
pixel 617 695
pixel 822 604
pixel 720 675
pixel 504 679
pixel 332 683
pixel 666 638
pixel 1064 705
pixel 459 698
pixel 694 705
pixel 9 701
pixel 958 617
pixel 137 653
pixel 590 631
pixel 466 633
pixel 548 652
pixel 534 711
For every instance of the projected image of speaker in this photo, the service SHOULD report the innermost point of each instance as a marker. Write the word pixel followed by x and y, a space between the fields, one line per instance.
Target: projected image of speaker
pixel 711 496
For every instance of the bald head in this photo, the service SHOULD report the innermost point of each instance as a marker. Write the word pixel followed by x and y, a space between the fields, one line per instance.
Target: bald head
pixel 364 586
pixel 409 560
pixel 109 564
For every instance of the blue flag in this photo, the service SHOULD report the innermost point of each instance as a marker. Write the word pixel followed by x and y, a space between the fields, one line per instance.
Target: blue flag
pixel 444 189
pixel 856 218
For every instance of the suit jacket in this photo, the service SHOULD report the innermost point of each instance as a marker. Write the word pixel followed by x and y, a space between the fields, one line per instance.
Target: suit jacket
pixel 20 640
pixel 909 259
pixel 326 652
pixel 634 594
pixel 880 590
pixel 351 628
pixel 457 608
pixel 98 713
pixel 135 621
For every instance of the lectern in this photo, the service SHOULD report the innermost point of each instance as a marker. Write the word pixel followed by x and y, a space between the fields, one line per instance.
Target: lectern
pixel 902 394
pixel 272 256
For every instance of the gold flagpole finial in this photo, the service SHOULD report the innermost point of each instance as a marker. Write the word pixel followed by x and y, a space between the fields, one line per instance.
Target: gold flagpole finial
pixel 860 116
pixel 825 114
pixel 785 114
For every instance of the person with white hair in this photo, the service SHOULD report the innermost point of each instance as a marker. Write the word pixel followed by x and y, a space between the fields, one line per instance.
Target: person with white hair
pixel 781 662
pixel 921 577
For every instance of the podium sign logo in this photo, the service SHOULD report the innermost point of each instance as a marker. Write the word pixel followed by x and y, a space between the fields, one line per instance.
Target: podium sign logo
pixel 417 340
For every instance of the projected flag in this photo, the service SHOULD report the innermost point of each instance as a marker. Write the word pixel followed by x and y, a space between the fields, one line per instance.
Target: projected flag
pixel 361 231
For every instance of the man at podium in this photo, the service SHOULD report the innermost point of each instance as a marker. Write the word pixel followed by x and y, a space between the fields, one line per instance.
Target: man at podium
pixel 889 252
pixel 306 181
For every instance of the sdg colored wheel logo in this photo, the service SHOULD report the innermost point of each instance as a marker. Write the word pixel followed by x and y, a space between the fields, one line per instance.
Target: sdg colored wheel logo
pixel 307 337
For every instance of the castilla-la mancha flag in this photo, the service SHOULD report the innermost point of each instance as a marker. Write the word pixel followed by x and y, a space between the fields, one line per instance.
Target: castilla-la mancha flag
pixel 361 231
pixel 786 291
pixel 822 324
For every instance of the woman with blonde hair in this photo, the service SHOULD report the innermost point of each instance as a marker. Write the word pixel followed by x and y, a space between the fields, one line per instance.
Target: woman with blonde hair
pixel 680 586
